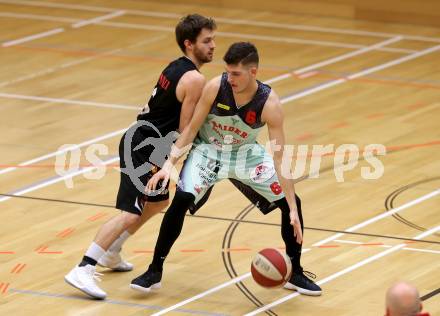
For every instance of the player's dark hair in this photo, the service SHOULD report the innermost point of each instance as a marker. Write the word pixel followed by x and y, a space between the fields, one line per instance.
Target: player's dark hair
pixel 190 27
pixel 241 52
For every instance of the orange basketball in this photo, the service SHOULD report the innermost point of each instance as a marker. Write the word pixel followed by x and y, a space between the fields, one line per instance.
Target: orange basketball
pixel 271 268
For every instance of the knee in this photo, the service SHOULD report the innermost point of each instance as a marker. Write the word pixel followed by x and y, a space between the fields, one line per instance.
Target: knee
pixel 152 208
pixel 129 219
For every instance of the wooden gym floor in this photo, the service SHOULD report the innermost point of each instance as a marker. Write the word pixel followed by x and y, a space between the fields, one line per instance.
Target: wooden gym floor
pixel 64 81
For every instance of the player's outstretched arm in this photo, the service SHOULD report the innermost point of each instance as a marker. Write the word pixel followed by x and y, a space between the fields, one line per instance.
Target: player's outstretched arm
pixel 184 142
pixel 274 118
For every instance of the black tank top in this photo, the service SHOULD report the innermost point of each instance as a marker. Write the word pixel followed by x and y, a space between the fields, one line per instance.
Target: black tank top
pixel 250 113
pixel 163 108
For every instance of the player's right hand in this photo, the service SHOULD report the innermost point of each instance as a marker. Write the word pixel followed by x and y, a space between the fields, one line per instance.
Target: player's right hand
pixel 158 181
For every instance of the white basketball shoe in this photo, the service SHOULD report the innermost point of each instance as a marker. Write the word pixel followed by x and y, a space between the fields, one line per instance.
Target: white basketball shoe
pixel 114 261
pixel 83 278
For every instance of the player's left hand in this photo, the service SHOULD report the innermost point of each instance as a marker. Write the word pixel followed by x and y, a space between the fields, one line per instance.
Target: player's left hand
pixel 158 181
pixel 294 221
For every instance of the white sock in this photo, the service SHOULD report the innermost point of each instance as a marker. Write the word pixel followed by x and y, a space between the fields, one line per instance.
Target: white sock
pixel 95 251
pixel 117 244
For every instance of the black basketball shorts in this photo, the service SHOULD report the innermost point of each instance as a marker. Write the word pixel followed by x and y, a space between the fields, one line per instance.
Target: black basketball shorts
pixel 131 195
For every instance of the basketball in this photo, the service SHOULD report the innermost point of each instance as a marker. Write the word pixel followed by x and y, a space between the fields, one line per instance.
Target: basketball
pixel 271 268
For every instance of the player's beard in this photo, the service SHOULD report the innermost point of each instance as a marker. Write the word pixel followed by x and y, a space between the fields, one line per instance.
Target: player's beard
pixel 201 57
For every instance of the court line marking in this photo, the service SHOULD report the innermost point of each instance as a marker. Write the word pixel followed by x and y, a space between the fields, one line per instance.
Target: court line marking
pixel 38 17
pixel 335 59
pixel 312 28
pixel 59 152
pixel 67 101
pixel 388 246
pixel 88 142
pixel 308 74
pixel 212 290
pixel 56 179
pixel 109 301
pixel 293 40
pixel 421 250
pixel 79 24
pixel 98 19
pixel 383 78
pixel 345 271
pixel 275 79
pixel 380 216
pixel 196 297
pixel 280 77
pixel 59 5
pixel 303 41
pixel 90 58
pixel 78 61
pixel 33 37
pixel 309 28
pixel 355 242
pixel 266 307
pixel 238 279
pixel 359 74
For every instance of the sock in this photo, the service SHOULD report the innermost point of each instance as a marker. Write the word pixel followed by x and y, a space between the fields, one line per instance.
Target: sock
pixel 92 255
pixel 171 227
pixel 116 246
pixel 293 249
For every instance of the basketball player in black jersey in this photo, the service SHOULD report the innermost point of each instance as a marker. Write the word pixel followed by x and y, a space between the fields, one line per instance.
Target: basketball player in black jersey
pixel 230 114
pixel 144 147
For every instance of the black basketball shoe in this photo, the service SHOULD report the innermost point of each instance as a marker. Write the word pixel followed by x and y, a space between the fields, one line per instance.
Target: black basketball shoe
pixel 148 281
pixel 302 284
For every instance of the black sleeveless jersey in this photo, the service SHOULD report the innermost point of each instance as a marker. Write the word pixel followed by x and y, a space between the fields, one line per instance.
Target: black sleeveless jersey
pixel 250 113
pixel 228 124
pixel 163 108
